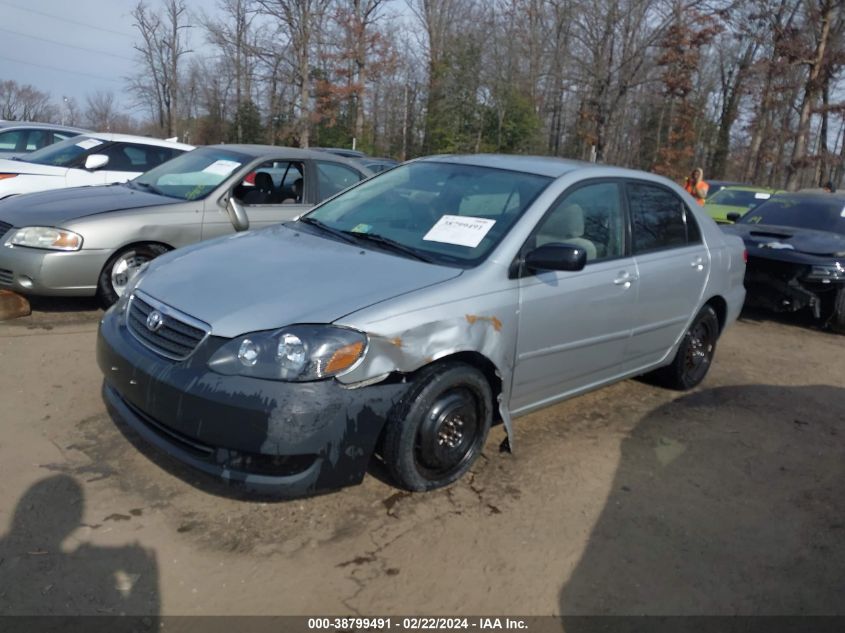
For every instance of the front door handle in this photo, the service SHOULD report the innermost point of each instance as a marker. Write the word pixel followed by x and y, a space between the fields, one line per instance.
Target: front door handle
pixel 624 279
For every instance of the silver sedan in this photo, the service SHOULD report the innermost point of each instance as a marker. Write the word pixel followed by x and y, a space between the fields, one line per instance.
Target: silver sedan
pixel 408 313
pixel 90 240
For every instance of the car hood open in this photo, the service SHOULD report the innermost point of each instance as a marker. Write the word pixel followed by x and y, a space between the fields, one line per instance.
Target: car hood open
pixel 57 207
pixel 266 279
pixel 758 237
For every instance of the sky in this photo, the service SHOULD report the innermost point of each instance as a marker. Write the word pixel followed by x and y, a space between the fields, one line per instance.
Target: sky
pixel 68 48
pixel 72 48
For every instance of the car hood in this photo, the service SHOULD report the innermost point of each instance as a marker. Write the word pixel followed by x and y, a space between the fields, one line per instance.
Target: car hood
pixel 788 238
pixel 722 210
pixel 22 167
pixel 263 280
pixel 57 207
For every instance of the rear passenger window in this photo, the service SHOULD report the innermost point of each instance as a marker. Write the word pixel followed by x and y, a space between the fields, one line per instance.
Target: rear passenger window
pixel 658 219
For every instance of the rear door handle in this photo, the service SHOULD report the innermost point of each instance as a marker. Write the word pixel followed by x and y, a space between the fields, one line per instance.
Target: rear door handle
pixel 624 279
pixel 697 263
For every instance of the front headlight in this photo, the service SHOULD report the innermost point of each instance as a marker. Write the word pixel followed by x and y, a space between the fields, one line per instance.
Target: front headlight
pixel 46 237
pixel 297 353
pixel 835 272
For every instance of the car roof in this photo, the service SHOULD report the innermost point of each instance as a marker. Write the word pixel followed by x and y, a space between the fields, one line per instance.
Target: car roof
pixel 26 125
pixel 812 195
pixel 549 166
pixel 748 188
pixel 259 151
pixel 143 140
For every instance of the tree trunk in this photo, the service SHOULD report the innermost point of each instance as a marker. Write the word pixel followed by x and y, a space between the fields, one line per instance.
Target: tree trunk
pixel 811 89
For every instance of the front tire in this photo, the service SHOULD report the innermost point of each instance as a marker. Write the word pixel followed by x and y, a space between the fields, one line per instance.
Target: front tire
pixel 121 267
pixel 837 319
pixel 439 428
pixel 695 353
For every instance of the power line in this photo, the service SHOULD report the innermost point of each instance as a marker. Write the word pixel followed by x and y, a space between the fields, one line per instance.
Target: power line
pixel 61 70
pixel 81 48
pixel 64 19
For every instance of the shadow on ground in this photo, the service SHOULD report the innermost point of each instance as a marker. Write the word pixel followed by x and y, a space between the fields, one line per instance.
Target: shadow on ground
pixel 48 568
pixel 716 509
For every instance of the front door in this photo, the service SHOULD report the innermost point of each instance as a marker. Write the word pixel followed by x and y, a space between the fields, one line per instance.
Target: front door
pixel 574 326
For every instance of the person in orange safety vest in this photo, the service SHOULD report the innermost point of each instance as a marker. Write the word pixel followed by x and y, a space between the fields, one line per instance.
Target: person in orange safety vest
pixel 696 186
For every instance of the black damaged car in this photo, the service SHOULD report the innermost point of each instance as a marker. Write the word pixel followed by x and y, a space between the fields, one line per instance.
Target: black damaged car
pixel 796 255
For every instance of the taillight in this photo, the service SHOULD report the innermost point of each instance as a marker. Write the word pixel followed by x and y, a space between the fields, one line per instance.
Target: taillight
pixel 4 176
pixel 745 255
pixel 250 179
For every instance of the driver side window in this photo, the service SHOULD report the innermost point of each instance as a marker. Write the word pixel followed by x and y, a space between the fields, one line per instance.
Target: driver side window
pixel 589 217
pixel 271 183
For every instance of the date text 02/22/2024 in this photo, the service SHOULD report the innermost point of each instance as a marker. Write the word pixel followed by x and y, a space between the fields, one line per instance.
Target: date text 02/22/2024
pixel 416 624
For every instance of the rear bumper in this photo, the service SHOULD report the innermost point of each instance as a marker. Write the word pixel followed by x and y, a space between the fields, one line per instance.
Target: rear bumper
pixel 283 439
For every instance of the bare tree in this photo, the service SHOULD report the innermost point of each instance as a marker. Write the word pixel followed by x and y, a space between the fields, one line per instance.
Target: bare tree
pixel 24 103
pixel 163 45
pixel 301 21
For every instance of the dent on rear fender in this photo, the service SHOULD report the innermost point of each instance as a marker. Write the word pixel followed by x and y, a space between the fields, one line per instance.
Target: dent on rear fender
pixel 394 348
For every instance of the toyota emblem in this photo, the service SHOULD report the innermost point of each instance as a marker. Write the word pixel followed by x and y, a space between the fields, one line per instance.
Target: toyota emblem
pixel 154 321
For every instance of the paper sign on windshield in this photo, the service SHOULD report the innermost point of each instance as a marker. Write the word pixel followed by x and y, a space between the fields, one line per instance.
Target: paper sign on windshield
pixel 222 167
pixel 88 143
pixel 762 196
pixel 459 229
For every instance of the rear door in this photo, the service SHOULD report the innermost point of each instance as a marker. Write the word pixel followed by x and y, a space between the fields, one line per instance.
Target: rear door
pixel 673 265
pixel 574 326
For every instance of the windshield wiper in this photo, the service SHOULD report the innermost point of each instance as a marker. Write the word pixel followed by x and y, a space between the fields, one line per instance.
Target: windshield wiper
pixel 146 186
pixel 343 235
pixel 398 247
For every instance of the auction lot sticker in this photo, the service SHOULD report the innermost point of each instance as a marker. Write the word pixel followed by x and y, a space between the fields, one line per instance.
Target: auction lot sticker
pixel 460 230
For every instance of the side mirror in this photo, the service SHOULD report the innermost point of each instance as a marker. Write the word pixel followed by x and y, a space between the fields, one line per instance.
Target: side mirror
pixel 556 257
pixel 96 161
pixel 237 214
pixel 733 216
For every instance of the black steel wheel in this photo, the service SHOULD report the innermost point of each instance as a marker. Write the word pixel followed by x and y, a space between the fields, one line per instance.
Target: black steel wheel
pixel 438 429
pixel 695 353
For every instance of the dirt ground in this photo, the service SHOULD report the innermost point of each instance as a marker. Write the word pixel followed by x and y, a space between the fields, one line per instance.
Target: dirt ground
pixel 631 500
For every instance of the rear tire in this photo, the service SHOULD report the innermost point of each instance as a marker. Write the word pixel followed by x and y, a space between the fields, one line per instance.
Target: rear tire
pixel 695 353
pixel 121 266
pixel 438 429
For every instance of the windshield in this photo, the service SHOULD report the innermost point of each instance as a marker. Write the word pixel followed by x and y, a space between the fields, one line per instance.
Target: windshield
pixel 64 153
pixel 823 212
pixel 739 198
pixel 193 175
pixel 448 213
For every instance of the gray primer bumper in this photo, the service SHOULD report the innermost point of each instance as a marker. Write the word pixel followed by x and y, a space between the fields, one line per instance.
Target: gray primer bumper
pixel 284 439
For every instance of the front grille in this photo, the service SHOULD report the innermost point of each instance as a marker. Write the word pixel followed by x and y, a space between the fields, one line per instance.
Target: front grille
pixel 6 276
pixel 4 226
pixel 178 336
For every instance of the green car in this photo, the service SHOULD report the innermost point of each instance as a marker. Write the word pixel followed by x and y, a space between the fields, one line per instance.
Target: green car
pixel 738 199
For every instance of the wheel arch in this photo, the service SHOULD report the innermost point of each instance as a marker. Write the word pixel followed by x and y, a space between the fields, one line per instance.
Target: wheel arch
pixel 480 362
pixel 720 307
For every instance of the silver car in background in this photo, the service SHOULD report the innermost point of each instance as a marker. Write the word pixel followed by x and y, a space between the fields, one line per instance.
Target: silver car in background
pixel 90 240
pixel 405 315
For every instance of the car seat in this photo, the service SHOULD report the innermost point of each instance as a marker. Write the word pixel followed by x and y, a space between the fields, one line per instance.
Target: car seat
pixel 567 225
pixel 263 190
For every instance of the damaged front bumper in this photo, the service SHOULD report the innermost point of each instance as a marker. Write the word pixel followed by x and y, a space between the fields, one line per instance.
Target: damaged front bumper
pixel 279 438
pixel 784 286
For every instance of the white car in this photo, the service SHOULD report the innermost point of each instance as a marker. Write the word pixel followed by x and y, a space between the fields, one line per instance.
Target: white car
pixel 88 159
